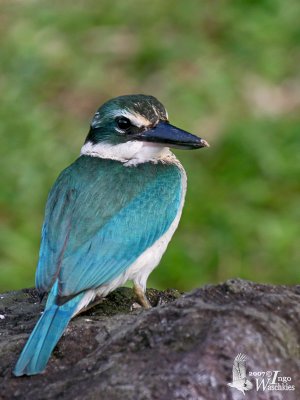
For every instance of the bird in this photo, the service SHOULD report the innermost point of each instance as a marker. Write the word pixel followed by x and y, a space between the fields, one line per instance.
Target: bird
pixel 109 216
pixel 239 376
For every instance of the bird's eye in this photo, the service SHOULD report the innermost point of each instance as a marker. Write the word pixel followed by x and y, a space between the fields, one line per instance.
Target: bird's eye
pixel 123 123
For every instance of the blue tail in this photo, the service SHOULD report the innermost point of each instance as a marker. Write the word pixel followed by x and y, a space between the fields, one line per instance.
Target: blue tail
pixel 44 337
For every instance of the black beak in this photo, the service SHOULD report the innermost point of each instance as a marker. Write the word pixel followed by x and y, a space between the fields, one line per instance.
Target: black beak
pixel 171 136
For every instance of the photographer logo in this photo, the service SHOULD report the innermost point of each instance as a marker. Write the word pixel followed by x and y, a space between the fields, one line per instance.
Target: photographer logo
pixel 263 380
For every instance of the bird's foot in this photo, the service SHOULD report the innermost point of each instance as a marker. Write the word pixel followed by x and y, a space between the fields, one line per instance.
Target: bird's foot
pixel 135 306
pixel 141 296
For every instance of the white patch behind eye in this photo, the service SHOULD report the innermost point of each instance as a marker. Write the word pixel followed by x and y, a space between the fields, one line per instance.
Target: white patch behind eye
pixel 135 118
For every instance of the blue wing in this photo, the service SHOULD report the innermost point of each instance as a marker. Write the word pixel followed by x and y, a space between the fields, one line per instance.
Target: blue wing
pixel 100 216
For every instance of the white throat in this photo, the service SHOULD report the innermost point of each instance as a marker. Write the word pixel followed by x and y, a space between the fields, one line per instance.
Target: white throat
pixel 130 153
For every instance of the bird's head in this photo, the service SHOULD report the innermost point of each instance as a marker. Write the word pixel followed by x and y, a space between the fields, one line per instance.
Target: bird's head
pixel 137 119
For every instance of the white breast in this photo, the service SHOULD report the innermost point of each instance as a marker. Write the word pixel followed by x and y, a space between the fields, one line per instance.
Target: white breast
pixel 146 262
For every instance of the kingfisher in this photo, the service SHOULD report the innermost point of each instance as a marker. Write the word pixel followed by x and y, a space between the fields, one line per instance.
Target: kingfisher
pixel 109 216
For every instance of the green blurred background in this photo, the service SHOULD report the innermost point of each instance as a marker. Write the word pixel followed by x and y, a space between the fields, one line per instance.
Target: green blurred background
pixel 228 71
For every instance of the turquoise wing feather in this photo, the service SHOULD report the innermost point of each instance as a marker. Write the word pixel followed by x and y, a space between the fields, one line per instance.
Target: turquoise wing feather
pixel 100 217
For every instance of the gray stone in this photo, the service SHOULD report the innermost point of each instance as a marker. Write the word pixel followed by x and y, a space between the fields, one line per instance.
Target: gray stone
pixel 183 348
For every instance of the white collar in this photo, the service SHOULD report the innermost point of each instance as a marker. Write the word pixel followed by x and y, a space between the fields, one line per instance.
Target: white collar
pixel 130 153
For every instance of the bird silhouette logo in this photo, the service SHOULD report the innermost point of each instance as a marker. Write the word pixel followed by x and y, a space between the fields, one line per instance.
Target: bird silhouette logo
pixel 239 376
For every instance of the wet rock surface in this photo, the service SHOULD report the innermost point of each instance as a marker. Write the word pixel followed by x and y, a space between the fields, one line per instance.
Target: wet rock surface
pixel 183 348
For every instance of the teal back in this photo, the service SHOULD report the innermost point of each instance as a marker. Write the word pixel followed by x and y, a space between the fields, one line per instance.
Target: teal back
pixel 100 217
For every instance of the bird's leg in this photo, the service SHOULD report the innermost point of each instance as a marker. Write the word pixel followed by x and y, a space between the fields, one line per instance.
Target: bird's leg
pixel 141 296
